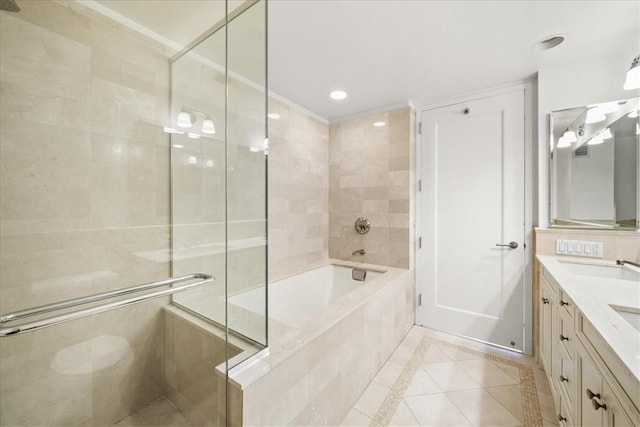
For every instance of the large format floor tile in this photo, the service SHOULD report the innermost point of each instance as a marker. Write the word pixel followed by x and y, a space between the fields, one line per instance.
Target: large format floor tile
pixel 435 379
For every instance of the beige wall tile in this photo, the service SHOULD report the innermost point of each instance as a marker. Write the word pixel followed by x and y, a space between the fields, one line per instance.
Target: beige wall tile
pixel 84 187
pixel 298 190
pixel 371 177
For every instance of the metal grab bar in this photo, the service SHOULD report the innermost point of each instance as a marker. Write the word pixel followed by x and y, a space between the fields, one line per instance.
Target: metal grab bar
pixel 66 317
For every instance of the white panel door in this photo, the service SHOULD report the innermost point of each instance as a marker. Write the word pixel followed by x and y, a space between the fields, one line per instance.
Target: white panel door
pixel 472 198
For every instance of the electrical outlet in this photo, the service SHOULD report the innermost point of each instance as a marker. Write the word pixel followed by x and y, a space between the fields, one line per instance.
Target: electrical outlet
pixel 580 248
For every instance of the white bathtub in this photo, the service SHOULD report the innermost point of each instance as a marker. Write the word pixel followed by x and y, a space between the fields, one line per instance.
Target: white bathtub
pixel 298 297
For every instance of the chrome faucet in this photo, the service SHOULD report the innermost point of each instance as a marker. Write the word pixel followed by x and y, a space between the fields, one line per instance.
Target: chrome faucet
pixel 624 261
pixel 358 252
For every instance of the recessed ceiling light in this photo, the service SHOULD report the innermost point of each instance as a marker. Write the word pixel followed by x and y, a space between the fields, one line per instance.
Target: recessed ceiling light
pixel 379 124
pixel 338 95
pixel 274 116
pixel 549 42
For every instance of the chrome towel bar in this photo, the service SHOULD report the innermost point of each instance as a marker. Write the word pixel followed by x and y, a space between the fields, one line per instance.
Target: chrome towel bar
pixel 205 279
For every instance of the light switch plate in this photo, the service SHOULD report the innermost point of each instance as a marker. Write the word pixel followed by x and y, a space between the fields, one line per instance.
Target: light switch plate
pixel 581 248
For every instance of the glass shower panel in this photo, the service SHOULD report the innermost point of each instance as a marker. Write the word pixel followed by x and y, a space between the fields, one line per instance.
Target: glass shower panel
pixel 219 179
pixel 118 167
pixel 247 150
pixel 198 172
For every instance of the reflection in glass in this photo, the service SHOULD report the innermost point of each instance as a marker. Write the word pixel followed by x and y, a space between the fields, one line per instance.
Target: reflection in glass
pixel 594 166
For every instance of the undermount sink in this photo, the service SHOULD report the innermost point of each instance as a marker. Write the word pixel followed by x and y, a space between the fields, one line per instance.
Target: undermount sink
pixel 605 271
pixel 630 314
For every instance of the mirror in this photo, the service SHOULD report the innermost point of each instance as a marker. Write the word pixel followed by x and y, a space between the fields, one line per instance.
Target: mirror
pixel 594 166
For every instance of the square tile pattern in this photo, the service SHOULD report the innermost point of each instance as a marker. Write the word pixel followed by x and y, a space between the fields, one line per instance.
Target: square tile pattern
pixel 436 380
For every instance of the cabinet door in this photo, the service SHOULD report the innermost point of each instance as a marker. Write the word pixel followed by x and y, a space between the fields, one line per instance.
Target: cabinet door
pixel 547 306
pixel 591 384
pixel 614 414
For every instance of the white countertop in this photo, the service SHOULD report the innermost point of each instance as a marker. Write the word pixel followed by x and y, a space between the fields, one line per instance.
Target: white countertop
pixel 593 296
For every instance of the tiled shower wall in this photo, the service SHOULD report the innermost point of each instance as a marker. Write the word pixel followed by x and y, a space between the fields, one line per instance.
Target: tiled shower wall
pixel 85 194
pixel 298 190
pixel 371 175
pixel 322 177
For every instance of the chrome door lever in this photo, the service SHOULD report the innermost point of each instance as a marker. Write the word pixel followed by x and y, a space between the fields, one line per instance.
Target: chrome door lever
pixel 512 245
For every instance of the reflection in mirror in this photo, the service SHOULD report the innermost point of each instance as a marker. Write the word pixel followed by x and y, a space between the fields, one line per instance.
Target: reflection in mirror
pixel 594 166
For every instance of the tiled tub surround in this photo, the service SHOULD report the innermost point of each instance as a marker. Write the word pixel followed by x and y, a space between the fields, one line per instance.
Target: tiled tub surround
pixel 84 187
pixel 192 350
pixel 371 172
pixel 298 189
pixel 314 371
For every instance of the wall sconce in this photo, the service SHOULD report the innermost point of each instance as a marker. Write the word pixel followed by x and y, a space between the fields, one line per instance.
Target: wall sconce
pixel 633 75
pixel 569 137
pixel 595 115
pixel 208 127
pixel 184 120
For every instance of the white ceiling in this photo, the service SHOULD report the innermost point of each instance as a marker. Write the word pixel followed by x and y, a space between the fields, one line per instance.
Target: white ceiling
pixel 389 52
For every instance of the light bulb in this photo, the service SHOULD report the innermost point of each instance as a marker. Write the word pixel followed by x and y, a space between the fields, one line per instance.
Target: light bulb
pixel 338 95
pixel 633 75
pixel 563 143
pixel 208 127
pixel 274 116
pixel 606 134
pixel 379 124
pixel 594 116
pixel 184 120
pixel 569 136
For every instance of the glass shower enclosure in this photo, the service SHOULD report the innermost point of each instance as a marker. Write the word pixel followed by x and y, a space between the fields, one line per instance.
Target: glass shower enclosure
pixel 132 209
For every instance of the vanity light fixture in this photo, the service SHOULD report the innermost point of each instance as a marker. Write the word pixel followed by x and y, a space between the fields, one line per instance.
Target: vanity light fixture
pixel 178 146
pixel 563 142
pixel 569 136
pixel 379 124
pixel 274 116
pixel 633 75
pixel 184 120
pixel 208 127
pixel 594 115
pixel 338 95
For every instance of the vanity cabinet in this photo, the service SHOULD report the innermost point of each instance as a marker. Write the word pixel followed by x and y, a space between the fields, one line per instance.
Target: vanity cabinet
pixel 585 390
pixel 599 405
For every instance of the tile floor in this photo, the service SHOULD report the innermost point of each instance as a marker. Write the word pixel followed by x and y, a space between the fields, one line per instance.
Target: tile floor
pixel 434 379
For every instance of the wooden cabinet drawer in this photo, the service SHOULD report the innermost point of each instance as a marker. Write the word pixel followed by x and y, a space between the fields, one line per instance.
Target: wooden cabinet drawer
pixel 566 332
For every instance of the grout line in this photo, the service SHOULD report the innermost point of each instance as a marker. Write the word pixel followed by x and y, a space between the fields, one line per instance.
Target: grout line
pixel 530 405
pixel 529 395
pixel 396 393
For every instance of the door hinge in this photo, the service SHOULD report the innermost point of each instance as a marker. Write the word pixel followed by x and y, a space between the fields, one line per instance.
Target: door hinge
pixel 420 128
pixel 419 185
pixel 419 242
pixel 419 300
